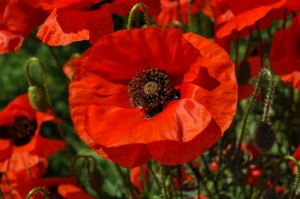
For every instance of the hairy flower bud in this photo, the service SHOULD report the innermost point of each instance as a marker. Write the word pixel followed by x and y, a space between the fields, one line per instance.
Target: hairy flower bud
pixel 264 137
pixel 37 98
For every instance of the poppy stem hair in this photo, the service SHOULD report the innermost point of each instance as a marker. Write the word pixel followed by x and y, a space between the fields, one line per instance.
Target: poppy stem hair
pixel 132 12
pixel 297 180
pixel 270 94
pixel 38 190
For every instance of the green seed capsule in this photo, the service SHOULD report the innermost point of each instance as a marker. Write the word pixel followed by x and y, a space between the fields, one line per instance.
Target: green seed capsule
pixel 264 137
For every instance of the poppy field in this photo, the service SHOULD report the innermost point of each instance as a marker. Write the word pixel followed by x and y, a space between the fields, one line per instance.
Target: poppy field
pixel 149 99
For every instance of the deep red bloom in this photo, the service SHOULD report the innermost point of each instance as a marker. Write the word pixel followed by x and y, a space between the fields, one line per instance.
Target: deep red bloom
pixel 197 81
pixel 248 12
pixel 93 19
pixel 17 19
pixel 285 53
pixel 169 11
pixel 21 145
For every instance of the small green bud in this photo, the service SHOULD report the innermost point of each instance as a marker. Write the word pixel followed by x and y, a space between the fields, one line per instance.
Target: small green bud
pixel 264 137
pixel 37 98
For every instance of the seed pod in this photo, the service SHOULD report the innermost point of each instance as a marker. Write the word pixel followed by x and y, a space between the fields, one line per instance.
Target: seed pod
pixel 264 137
pixel 37 98
pixel 96 179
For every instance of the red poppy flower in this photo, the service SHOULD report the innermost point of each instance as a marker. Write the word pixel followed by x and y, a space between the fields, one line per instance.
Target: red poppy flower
pixel 17 19
pixel 23 146
pixel 248 12
pixel 284 55
pixel 93 19
pixel 70 64
pixel 169 11
pixel 296 155
pixel 192 77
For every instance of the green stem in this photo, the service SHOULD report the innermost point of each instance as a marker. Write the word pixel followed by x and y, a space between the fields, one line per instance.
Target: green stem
pixel 132 12
pixel 179 177
pixel 38 189
pixel 165 191
pixel 297 180
pixel 48 97
pixel 153 174
pixel 125 180
pixel 246 115
pixel 143 180
pixel 58 65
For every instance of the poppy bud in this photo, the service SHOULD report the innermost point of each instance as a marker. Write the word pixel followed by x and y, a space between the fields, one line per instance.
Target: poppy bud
pixel 264 137
pixel 96 179
pixel 243 72
pixel 37 98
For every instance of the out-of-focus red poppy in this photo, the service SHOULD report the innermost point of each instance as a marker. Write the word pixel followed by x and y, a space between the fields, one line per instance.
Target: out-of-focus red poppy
pixel 293 5
pixel 20 178
pixel 187 180
pixel 70 65
pixel 249 12
pixel 296 155
pixel 246 90
pixel 170 11
pixel 22 146
pixel 57 188
pixel 93 19
pixel 192 77
pixel 285 53
pixel 17 19
pixel 136 178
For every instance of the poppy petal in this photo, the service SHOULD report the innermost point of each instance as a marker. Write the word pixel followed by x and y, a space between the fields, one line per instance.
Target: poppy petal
pixel 61 29
pixel 220 68
pixel 247 18
pixel 69 191
pixel 10 42
pixel 128 126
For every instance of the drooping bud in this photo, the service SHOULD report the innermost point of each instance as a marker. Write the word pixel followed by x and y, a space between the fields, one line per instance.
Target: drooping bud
pixel 37 98
pixel 96 179
pixel 264 137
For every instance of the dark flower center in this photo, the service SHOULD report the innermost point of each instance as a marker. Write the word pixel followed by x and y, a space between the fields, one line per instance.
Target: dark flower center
pixel 20 132
pixel 98 5
pixel 150 90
